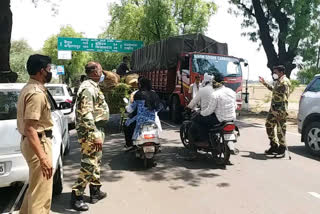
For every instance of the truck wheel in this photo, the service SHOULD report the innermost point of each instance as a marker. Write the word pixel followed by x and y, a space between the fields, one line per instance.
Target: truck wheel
pixel 175 113
pixel 58 178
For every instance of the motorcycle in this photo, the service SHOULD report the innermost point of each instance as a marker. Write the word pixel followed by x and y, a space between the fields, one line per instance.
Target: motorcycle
pixel 148 142
pixel 221 139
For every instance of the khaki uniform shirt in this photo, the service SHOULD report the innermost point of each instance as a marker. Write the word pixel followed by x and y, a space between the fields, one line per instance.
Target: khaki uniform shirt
pixel 33 104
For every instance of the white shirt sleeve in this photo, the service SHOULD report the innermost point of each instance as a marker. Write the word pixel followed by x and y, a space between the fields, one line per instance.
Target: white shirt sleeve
pixel 195 100
pixel 190 89
pixel 131 107
pixel 211 107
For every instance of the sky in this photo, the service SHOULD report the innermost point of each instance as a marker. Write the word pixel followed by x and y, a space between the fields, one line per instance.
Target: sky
pixel 36 24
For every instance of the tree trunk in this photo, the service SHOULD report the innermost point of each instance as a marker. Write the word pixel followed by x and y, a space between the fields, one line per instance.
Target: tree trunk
pixel 6 75
pixel 284 57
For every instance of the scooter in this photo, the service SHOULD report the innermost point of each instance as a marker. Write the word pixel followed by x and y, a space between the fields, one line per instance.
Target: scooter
pixel 222 138
pixel 148 142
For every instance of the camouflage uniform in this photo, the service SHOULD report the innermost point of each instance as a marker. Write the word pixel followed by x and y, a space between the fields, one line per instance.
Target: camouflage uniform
pixel 277 115
pixel 91 114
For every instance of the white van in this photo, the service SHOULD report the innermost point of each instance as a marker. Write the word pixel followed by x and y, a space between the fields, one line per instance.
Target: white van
pixel 13 167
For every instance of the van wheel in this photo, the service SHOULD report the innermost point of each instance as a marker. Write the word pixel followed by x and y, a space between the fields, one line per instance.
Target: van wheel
pixel 58 179
pixel 175 113
pixel 312 138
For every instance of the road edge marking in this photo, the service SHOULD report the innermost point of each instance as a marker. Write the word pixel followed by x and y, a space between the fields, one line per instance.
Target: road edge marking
pixel 314 194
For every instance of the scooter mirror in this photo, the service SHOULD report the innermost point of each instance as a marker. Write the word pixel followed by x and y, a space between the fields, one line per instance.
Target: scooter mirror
pixel 125 100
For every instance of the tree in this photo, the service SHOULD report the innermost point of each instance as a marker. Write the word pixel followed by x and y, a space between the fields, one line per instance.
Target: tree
pixel 153 20
pixel 283 27
pixel 192 16
pixel 6 74
pixel 306 75
pixel 5 38
pixel 19 54
pixel 74 67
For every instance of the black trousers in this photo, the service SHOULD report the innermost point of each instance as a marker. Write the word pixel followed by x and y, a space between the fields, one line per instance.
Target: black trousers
pixel 128 133
pixel 200 127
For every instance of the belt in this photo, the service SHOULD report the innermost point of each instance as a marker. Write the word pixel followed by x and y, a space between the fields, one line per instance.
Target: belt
pixel 47 133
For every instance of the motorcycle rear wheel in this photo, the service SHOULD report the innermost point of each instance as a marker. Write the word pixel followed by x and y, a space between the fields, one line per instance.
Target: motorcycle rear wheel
pixel 184 135
pixel 148 163
pixel 223 157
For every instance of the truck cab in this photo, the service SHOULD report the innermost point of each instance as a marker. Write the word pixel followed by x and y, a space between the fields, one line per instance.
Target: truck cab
pixel 193 64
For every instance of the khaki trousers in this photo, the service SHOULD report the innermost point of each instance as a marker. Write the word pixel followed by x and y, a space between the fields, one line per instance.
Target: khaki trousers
pixel 37 199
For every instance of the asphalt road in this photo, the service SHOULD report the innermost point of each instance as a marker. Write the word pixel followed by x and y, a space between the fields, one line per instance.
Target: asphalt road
pixel 252 184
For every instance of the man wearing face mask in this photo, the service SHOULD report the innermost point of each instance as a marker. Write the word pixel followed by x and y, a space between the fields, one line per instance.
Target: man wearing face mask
pixel 92 112
pixel 278 111
pixel 35 124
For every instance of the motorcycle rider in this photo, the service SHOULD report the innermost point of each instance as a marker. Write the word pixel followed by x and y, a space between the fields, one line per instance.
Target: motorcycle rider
pixel 202 97
pixel 221 106
pixel 194 88
pixel 147 103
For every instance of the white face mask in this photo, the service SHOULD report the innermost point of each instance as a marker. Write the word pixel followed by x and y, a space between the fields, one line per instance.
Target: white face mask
pixel 275 76
pixel 101 78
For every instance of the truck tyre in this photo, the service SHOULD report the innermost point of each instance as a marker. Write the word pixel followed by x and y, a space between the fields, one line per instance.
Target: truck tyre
pixel 175 113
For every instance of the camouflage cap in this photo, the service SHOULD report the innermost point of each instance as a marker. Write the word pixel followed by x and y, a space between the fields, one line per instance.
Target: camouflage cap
pixel 280 68
pixel 92 66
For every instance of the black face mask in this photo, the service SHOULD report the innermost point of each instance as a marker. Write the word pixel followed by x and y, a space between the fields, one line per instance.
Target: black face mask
pixel 48 77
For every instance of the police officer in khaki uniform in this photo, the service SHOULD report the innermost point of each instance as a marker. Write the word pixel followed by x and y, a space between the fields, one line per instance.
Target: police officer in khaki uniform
pixel 35 125
pixel 92 112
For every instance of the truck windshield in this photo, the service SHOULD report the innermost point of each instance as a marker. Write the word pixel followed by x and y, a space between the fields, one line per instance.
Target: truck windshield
pixel 8 104
pixel 228 66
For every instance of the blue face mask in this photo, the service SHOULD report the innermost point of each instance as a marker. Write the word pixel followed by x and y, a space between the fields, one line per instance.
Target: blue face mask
pixel 101 78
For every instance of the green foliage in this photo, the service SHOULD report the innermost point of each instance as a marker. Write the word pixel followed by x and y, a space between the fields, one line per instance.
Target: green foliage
pixel 292 25
pixel 306 75
pixel 114 97
pixel 108 61
pixel 193 16
pixel 19 54
pixel 294 84
pixel 74 67
pixel 153 20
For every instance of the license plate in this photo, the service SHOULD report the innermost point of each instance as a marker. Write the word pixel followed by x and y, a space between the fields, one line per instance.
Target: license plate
pixel 148 149
pixel 229 137
pixel 1 168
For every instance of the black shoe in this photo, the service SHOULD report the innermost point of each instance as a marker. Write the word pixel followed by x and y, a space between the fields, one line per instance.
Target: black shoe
pixel 96 194
pixel 77 202
pixel 281 150
pixel 272 150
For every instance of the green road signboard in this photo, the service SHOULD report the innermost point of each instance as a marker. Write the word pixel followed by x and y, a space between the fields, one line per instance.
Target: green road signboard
pixel 98 45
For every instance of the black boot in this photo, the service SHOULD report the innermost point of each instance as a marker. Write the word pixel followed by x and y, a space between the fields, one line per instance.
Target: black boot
pixel 96 194
pixel 281 150
pixel 77 202
pixel 272 150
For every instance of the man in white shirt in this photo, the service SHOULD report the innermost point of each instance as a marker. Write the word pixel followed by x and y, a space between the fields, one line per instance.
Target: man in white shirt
pixel 202 97
pixel 194 88
pixel 221 107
